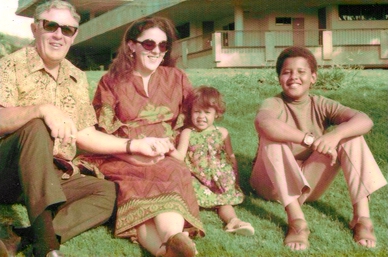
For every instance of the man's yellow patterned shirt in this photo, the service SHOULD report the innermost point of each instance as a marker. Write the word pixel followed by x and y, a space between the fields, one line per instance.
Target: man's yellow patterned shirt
pixel 24 82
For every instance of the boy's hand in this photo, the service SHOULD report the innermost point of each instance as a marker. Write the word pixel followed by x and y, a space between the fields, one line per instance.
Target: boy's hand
pixel 327 144
pixel 333 154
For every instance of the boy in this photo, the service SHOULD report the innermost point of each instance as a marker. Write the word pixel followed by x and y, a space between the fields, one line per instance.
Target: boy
pixel 298 158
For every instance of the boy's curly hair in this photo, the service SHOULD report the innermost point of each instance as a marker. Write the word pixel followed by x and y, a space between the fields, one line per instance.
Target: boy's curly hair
pixel 296 51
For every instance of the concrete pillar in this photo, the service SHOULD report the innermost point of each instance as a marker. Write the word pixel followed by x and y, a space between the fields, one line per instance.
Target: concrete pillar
pixel 238 25
pixel 327 45
pixel 384 44
pixel 270 46
pixel 217 45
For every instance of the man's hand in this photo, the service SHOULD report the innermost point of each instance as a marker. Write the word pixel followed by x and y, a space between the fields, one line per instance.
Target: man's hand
pixel 59 123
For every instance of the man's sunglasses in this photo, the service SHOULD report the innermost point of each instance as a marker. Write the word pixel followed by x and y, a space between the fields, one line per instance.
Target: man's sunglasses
pixel 52 26
pixel 150 45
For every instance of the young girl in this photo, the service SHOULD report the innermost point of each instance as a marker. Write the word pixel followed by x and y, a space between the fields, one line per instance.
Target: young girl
pixel 299 157
pixel 207 150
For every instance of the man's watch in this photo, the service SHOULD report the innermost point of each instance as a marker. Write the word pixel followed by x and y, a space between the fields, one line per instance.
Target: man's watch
pixel 308 139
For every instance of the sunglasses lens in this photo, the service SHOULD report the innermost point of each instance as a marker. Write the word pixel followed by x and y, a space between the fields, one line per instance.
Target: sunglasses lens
pixel 68 31
pixel 51 26
pixel 163 46
pixel 148 44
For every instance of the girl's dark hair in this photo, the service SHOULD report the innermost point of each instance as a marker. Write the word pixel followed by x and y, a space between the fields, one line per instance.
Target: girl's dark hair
pixel 205 97
pixel 296 51
pixel 122 66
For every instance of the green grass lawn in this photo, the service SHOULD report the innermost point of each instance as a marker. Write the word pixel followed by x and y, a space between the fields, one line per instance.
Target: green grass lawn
pixel 244 89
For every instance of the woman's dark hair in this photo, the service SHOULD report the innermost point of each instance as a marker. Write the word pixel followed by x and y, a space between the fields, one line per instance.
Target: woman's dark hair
pixel 296 51
pixel 122 66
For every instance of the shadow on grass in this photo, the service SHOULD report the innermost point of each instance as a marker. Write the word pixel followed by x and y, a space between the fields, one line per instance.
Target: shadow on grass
pixel 245 168
pixel 250 205
pixel 9 215
pixel 12 214
pixel 329 211
pixel 254 203
pixel 253 206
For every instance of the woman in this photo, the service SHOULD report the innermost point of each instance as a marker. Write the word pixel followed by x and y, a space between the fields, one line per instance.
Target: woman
pixel 141 96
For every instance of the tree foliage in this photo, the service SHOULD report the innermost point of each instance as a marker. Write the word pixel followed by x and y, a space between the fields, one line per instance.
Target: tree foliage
pixel 9 44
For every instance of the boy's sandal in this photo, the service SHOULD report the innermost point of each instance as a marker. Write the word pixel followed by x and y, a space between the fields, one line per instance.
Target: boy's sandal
pixel 179 245
pixel 237 226
pixel 363 230
pixel 298 232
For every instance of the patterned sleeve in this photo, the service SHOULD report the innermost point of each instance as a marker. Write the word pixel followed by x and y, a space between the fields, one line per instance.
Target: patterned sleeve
pixel 104 103
pixel 8 87
pixel 86 114
pixel 186 91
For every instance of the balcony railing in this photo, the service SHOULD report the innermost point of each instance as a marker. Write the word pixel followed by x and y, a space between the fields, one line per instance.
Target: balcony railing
pixel 308 38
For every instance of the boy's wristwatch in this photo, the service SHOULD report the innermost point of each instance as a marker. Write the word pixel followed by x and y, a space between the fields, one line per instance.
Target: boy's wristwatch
pixel 308 139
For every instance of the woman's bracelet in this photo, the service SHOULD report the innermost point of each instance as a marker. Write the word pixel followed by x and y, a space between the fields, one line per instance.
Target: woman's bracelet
pixel 128 147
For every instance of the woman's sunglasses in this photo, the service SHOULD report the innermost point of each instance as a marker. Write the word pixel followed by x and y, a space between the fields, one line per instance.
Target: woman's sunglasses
pixel 52 26
pixel 150 45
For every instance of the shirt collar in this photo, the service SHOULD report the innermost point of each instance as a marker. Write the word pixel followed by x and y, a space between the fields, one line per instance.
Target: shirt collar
pixel 35 63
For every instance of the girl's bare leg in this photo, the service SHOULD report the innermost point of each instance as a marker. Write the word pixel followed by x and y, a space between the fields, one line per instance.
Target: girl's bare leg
pixel 226 213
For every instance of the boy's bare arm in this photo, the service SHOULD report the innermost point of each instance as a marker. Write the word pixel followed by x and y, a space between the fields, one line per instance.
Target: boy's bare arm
pixel 354 123
pixel 274 129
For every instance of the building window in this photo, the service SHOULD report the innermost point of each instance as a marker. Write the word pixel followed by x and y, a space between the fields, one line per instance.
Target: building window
pixel 183 31
pixel 283 20
pixel 230 26
pixel 225 35
pixel 363 12
pixel 85 17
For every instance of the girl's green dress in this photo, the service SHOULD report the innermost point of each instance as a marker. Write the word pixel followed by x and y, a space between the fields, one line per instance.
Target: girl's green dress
pixel 214 179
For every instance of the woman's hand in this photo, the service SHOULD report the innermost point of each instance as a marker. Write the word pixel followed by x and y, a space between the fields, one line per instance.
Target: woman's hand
pixel 151 146
pixel 147 151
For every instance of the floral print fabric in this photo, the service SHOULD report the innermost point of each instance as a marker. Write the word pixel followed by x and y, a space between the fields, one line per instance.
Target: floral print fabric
pixel 214 179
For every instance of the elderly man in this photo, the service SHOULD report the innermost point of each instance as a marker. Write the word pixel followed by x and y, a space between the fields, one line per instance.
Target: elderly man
pixel 45 113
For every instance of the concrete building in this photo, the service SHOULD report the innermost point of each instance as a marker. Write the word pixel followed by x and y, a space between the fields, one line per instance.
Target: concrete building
pixel 240 33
